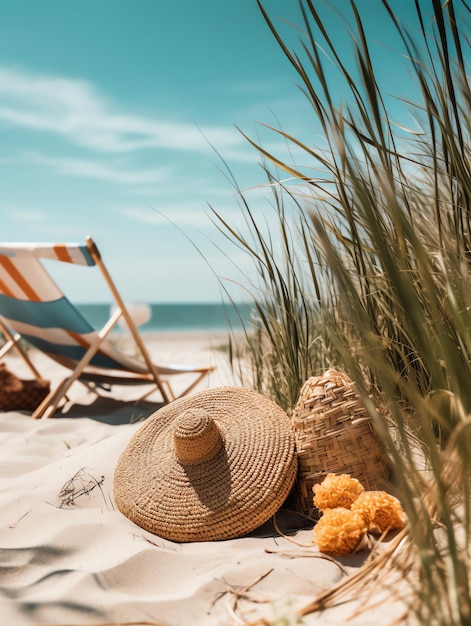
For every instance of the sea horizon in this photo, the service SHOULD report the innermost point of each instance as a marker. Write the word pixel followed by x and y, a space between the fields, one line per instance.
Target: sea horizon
pixel 174 316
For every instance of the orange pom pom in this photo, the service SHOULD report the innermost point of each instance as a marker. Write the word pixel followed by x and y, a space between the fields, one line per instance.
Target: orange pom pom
pixel 380 510
pixel 339 531
pixel 336 490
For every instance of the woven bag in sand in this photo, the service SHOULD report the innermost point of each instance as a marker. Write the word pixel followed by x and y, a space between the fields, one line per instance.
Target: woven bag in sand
pixel 20 395
pixel 334 434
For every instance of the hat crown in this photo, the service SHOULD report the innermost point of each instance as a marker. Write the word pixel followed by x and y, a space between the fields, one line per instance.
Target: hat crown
pixel 196 437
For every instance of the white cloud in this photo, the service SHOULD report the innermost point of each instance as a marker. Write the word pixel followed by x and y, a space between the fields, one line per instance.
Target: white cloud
pixel 186 216
pixel 76 110
pixel 25 215
pixel 115 172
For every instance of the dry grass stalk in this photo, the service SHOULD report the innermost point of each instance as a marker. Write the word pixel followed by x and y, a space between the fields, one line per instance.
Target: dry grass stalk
pixel 140 623
pixel 243 593
pixel 370 272
pixel 82 483
pixel 371 575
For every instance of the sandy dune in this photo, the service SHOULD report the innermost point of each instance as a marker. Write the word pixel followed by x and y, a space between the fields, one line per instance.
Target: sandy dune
pixel 68 556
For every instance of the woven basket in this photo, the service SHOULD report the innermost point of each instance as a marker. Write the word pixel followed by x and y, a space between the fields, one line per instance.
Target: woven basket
pixel 334 434
pixel 20 395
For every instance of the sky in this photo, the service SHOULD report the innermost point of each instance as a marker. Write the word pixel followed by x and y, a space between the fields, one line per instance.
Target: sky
pixel 116 117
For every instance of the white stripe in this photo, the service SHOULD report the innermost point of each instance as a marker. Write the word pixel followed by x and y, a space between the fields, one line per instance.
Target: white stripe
pixel 62 337
pixel 76 254
pixel 35 275
pixel 53 335
pixel 10 284
pixel 43 251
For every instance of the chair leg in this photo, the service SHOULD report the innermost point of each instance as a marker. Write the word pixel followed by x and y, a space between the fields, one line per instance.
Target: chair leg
pixel 44 411
pixel 201 377
pixel 6 348
pixel 12 343
pixel 50 403
pixel 186 391
pixel 169 396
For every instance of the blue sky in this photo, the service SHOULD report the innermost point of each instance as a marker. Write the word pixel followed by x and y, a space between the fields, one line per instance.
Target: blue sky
pixel 107 112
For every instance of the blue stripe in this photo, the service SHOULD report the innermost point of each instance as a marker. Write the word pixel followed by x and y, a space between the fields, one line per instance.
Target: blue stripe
pixel 72 352
pixel 86 255
pixel 55 314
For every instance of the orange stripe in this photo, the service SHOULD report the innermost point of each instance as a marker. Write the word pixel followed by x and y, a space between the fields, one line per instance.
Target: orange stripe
pixel 62 253
pixel 11 269
pixel 5 290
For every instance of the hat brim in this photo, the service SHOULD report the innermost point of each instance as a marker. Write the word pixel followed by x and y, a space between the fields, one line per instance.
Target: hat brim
pixel 233 493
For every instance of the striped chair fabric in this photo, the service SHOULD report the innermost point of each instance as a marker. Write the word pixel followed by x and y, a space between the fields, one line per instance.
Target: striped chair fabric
pixel 33 307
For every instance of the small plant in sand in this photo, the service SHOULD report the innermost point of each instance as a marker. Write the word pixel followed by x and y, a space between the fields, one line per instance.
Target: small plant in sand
pixel 371 273
pixel 82 483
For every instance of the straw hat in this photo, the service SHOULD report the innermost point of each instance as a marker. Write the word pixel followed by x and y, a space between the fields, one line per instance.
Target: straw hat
pixel 213 465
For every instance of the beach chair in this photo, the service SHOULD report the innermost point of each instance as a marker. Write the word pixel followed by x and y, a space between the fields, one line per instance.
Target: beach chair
pixel 34 308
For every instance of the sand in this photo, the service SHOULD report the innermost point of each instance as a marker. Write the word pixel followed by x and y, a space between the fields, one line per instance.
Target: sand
pixel 68 556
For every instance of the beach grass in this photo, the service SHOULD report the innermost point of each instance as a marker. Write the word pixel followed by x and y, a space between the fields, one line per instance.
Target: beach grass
pixel 370 273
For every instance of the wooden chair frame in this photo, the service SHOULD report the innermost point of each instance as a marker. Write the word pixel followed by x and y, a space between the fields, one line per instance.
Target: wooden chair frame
pixel 157 375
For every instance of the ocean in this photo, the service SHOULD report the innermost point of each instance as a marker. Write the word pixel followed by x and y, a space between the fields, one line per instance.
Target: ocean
pixel 185 317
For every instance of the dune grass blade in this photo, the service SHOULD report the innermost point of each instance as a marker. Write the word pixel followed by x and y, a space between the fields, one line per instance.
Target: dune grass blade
pixel 366 267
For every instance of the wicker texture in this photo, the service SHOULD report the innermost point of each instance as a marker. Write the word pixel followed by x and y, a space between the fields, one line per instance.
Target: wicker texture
pixel 334 434
pixel 213 465
pixel 20 395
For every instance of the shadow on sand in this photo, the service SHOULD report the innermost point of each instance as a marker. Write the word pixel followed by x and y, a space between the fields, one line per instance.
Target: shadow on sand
pixel 111 411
